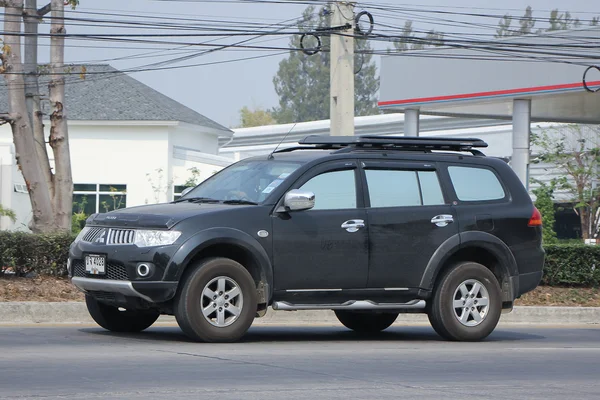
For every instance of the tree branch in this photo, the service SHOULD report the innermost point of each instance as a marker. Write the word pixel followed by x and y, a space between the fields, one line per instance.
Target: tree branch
pixel 44 10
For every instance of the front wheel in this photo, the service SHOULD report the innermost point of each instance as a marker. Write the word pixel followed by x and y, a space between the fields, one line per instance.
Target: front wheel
pixel 366 322
pixel 115 320
pixel 217 302
pixel 467 303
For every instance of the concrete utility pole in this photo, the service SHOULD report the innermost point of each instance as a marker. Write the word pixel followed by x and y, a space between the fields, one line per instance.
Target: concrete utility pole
pixel 521 138
pixel 342 70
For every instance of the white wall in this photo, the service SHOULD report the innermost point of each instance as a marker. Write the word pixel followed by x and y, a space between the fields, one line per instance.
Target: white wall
pixel 9 176
pixel 122 154
pixel 194 149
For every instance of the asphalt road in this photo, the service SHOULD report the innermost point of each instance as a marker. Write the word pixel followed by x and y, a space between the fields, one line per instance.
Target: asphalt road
pixel 74 362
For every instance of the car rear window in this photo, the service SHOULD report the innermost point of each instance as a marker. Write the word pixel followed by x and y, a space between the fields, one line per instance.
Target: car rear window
pixel 476 184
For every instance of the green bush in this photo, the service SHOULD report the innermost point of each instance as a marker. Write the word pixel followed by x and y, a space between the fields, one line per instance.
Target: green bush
pixel 43 254
pixel 572 264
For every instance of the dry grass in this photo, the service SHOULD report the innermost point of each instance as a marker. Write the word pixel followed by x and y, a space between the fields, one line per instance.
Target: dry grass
pixel 558 296
pixel 60 289
pixel 38 289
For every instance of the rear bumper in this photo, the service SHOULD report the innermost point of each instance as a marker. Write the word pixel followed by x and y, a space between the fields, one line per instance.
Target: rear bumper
pixel 152 292
pixel 529 281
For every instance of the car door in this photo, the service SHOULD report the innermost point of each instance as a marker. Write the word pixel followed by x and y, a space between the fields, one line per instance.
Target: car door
pixel 325 247
pixel 408 218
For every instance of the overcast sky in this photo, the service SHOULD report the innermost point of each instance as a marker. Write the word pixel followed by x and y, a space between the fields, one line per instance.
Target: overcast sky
pixel 219 91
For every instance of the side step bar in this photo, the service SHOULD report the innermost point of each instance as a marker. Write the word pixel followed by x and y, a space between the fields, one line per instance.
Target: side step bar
pixel 351 305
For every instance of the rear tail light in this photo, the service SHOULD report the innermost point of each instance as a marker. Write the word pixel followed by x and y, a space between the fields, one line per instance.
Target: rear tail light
pixel 536 218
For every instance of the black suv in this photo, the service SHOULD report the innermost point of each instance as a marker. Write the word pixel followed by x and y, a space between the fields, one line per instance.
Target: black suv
pixel 367 226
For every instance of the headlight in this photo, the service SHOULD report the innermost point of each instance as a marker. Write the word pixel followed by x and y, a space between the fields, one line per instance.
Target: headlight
pixel 155 238
pixel 82 234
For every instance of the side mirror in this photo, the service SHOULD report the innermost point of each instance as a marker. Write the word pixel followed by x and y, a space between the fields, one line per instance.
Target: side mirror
pixel 186 191
pixel 297 200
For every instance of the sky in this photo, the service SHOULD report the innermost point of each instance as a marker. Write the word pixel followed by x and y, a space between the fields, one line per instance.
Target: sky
pixel 220 90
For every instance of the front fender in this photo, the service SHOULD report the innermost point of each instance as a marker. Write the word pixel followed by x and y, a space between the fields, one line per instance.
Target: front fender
pixel 478 239
pixel 206 238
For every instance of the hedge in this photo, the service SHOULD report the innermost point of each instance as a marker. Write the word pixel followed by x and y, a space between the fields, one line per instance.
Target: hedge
pixel 22 253
pixel 572 265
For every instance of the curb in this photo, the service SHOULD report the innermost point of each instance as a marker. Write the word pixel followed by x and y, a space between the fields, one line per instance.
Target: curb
pixel 28 313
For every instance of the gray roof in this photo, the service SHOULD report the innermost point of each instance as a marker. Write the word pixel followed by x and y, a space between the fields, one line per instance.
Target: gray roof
pixel 106 94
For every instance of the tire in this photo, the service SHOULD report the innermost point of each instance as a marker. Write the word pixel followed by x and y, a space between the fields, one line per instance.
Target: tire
pixel 456 323
pixel 363 322
pixel 196 295
pixel 112 319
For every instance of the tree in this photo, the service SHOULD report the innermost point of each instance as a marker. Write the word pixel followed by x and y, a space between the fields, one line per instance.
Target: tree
pixel 526 25
pixel 562 21
pixel 302 81
pixel 573 152
pixel 257 117
pixel 545 205
pixel 409 41
pixel 50 191
pixel 7 212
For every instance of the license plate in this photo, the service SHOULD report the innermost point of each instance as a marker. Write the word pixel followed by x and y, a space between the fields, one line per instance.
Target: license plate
pixel 95 264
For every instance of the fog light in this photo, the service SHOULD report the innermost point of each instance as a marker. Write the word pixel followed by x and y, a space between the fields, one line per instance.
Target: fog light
pixel 143 270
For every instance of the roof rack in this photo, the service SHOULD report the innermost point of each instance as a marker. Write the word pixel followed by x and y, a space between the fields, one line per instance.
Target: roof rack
pixel 344 144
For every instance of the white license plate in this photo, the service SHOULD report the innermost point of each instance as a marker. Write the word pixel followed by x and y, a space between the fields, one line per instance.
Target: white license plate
pixel 95 264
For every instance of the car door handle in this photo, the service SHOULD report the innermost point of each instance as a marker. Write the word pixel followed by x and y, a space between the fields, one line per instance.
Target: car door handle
pixel 442 220
pixel 353 225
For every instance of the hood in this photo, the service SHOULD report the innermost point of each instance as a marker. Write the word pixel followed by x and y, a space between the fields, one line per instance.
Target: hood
pixel 162 216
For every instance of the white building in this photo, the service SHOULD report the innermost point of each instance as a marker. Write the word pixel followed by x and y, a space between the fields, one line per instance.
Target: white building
pixel 130 145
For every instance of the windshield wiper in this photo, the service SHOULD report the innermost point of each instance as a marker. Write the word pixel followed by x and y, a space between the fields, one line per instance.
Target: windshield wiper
pixel 239 202
pixel 196 200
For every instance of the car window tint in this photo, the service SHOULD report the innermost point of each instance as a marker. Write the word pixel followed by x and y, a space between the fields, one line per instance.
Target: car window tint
pixel 333 190
pixel 393 188
pixel 430 188
pixel 475 184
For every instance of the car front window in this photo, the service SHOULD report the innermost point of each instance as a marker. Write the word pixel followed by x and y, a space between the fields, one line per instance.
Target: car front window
pixel 246 180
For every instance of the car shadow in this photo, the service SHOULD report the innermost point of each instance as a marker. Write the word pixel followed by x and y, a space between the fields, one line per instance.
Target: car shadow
pixel 300 334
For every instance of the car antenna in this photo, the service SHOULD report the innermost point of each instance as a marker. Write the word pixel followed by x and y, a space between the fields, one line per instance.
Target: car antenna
pixel 286 135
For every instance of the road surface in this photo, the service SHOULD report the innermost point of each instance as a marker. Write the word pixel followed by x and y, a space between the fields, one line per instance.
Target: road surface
pixel 308 362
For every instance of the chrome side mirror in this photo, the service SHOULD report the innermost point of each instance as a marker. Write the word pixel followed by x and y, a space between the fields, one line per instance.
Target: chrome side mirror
pixel 297 200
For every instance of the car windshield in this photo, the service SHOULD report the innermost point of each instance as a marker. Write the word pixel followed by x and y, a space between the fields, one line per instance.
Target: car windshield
pixel 249 181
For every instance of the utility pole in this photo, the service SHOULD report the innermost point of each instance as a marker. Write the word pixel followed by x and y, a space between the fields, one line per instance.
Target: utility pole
pixel 342 69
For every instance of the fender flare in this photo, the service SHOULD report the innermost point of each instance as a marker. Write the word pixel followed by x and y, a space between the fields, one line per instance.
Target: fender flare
pixel 479 239
pixel 209 237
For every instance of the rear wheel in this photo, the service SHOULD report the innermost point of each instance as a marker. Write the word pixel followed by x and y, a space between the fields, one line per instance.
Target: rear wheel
pixel 217 302
pixel 113 319
pixel 365 322
pixel 467 303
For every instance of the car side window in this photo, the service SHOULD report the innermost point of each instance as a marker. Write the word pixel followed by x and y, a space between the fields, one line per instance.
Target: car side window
pixel 401 188
pixel 475 184
pixel 333 190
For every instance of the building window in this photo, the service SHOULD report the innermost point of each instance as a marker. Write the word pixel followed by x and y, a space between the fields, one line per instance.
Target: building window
pixel 177 190
pixel 98 198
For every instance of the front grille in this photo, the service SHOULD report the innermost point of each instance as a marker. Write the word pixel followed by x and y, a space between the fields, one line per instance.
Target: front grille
pixel 113 271
pixel 120 236
pixel 92 234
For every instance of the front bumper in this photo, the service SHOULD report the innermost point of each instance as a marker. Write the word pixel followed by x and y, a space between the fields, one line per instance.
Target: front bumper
pixel 151 292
